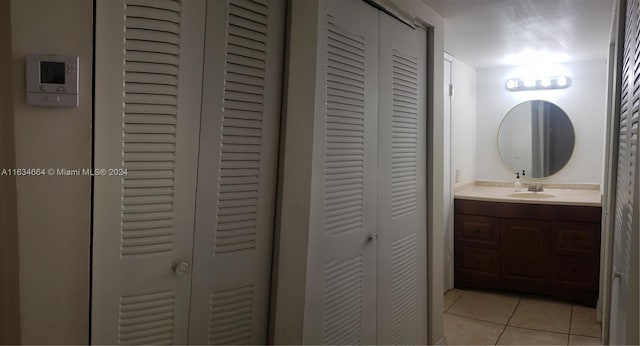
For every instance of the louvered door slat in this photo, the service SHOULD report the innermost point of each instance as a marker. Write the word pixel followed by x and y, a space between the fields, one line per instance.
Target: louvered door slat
pixel 147 112
pixel 344 131
pixel 626 208
pixel 143 9
pixel 162 48
pixel 230 316
pixel 238 143
pixel 340 294
pixel 402 197
pixel 343 304
pixel 152 24
pixel 149 88
pixel 405 108
pixel 169 5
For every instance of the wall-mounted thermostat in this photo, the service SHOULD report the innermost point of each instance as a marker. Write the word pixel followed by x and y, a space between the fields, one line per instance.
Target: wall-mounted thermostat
pixel 52 80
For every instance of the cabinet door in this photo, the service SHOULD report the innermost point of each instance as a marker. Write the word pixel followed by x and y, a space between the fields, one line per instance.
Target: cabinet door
pixel 525 253
pixel 147 115
pixel 402 158
pixel 237 171
pixel 575 255
pixel 340 306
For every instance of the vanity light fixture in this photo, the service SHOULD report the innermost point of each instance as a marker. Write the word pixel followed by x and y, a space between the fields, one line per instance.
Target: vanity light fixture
pixel 521 84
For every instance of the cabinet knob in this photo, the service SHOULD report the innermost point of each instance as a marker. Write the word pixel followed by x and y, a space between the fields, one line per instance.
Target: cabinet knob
pixel 477 230
pixel 181 268
pixel 372 238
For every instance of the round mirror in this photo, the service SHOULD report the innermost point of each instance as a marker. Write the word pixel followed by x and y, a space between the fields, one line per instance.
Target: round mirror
pixel 537 137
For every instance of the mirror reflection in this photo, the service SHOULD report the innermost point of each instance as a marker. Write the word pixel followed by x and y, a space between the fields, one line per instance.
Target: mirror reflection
pixel 537 137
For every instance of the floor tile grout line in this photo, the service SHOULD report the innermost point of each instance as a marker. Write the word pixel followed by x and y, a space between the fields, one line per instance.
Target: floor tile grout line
pixel 586 336
pixel 504 326
pixel 455 301
pixel 509 320
pixel 475 319
pixel 539 330
pixel 544 330
pixel 514 310
pixel 500 336
pixel 570 324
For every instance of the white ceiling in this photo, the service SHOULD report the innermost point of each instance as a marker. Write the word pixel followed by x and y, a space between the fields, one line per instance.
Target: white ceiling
pixel 488 33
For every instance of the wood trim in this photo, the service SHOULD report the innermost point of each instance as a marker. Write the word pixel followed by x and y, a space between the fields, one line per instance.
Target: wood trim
pixel 9 285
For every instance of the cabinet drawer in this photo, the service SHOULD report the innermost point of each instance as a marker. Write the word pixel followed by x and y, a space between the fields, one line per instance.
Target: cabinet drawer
pixel 478 231
pixel 580 273
pixel 479 260
pixel 575 238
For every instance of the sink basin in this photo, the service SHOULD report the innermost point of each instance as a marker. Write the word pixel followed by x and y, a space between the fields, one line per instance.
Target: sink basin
pixel 532 195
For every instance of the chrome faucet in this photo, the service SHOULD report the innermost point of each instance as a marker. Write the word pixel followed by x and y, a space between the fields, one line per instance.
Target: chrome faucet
pixel 535 188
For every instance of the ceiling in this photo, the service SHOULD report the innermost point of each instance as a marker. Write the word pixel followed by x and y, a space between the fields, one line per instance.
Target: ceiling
pixel 489 33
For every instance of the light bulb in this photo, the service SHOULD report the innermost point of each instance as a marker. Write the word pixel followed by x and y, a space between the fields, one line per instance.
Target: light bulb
pixel 562 81
pixel 511 84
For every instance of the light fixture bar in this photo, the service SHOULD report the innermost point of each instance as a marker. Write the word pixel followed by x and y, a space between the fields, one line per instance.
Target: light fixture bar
pixel 546 83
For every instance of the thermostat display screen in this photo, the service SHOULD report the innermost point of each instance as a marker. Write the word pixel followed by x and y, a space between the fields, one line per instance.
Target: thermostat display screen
pixel 52 72
pixel 52 80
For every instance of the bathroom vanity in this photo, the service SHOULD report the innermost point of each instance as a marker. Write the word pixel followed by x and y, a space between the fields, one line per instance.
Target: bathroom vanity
pixel 545 244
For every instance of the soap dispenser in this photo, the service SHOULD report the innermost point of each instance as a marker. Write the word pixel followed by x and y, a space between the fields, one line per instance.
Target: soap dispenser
pixel 518 185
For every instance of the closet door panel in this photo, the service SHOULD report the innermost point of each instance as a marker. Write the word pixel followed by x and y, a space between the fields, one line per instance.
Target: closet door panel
pixel 148 80
pixel 624 321
pixel 340 288
pixel 402 158
pixel 237 171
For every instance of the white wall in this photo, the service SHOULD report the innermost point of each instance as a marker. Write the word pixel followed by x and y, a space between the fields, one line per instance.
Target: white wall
pixel 9 289
pixel 53 212
pixel 584 102
pixel 463 113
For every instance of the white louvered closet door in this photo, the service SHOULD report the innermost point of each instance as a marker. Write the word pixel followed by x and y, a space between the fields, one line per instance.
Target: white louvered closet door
pixel 237 171
pixel 341 285
pixel 625 319
pixel 147 114
pixel 402 194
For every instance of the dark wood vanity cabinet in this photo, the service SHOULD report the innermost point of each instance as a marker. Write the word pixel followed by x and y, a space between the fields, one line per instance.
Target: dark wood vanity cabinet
pixel 545 249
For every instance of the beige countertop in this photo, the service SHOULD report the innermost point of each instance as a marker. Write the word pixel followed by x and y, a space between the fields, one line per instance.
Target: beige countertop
pixel 583 197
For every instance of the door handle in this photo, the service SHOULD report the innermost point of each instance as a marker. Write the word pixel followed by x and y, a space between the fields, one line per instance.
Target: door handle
pixel 181 268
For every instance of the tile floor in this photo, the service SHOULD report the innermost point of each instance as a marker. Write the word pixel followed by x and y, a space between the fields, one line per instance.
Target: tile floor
pixel 498 318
